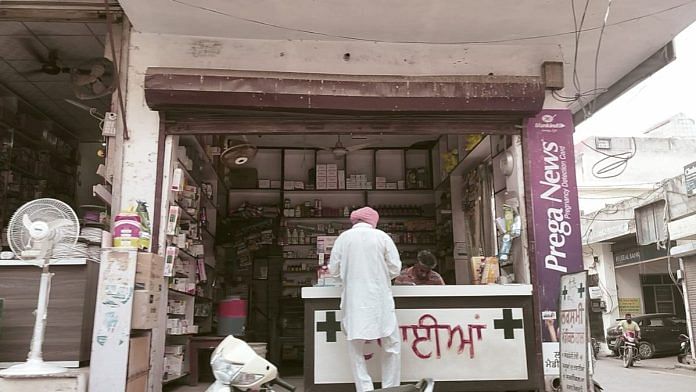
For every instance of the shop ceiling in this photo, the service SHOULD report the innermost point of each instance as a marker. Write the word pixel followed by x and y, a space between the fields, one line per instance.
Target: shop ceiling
pixel 635 30
pixel 29 30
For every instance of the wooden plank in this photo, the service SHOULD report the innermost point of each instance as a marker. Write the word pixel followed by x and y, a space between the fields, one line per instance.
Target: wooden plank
pixel 112 320
pixel 69 313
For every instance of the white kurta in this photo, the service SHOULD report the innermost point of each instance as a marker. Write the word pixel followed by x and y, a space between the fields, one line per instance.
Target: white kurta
pixel 366 260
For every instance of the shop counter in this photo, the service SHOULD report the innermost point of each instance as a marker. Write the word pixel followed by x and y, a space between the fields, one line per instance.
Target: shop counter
pixel 70 311
pixel 466 338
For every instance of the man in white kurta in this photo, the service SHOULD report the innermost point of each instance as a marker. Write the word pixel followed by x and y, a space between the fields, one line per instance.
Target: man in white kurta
pixel 366 260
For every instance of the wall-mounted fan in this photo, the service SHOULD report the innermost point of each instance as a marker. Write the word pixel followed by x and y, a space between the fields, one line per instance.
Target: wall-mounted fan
pixel 35 230
pixel 92 79
pixel 238 153
pixel 339 150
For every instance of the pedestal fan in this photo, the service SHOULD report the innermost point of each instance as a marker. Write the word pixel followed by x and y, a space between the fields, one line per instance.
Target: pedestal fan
pixel 35 230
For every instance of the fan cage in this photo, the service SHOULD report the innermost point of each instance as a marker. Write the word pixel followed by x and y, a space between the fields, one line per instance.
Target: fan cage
pixel 46 210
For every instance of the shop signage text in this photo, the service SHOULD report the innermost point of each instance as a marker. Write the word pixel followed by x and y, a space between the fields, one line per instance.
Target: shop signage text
pixel 637 254
pixel 444 344
pixel 574 328
pixel 690 179
pixel 548 145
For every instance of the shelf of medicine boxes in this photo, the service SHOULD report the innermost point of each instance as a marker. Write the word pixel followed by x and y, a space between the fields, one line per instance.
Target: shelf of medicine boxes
pixel 192 181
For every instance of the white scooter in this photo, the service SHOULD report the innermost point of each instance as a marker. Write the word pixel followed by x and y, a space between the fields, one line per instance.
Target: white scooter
pixel 237 367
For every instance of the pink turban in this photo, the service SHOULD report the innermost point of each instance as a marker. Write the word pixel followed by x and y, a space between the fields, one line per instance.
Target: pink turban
pixel 365 214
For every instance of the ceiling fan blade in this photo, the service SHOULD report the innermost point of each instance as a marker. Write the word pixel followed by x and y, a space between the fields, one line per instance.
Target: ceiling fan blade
pixel 35 72
pixel 320 147
pixel 28 45
pixel 357 147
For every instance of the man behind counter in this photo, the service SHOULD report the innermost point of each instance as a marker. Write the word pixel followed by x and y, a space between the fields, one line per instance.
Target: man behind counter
pixel 422 272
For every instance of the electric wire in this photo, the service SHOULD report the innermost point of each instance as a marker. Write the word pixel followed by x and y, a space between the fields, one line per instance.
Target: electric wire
pixel 353 38
pixel 614 164
pixel 593 103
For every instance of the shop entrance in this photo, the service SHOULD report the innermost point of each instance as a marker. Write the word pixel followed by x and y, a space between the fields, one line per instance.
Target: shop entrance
pixel 255 193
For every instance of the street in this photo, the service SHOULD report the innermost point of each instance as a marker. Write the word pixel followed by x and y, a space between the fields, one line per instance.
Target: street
pixel 657 374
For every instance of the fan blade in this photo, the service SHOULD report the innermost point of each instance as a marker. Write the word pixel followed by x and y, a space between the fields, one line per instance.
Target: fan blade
pixel 98 87
pixel 59 223
pixel 321 148
pixel 26 222
pixel 357 147
pixel 28 45
pixel 35 72
pixel 83 80
pixel 97 70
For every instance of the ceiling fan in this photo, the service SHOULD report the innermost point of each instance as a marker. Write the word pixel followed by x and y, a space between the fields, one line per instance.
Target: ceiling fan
pixel 339 150
pixel 92 79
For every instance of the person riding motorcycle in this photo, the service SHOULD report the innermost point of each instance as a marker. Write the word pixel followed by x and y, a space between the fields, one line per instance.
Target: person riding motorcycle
pixel 627 325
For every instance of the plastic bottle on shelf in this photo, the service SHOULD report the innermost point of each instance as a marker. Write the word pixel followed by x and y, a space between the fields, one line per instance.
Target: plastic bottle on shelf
pixel 294 237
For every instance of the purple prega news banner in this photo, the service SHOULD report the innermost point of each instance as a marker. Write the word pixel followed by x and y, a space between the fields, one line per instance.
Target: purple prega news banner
pixel 554 202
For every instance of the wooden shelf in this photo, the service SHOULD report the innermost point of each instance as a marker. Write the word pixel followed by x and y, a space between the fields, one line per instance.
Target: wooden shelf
pixel 177 292
pixel 251 190
pixel 173 379
pixel 185 213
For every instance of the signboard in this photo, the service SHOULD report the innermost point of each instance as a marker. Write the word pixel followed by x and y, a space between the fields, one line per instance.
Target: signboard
pixel 629 305
pixel 574 333
pixel 637 254
pixel 112 320
pixel 690 179
pixel 444 344
pixel 548 145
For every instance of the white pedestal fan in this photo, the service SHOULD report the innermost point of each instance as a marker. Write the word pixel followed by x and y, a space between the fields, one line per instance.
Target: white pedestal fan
pixel 35 230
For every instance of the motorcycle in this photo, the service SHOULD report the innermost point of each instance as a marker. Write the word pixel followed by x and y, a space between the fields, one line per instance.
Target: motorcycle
pixel 685 350
pixel 595 348
pixel 629 349
pixel 237 367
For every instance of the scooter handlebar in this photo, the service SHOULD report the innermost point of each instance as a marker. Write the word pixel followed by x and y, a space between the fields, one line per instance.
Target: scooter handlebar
pixel 284 384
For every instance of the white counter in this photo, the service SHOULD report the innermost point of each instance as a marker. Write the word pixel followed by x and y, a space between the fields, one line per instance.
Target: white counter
pixel 22 263
pixel 493 290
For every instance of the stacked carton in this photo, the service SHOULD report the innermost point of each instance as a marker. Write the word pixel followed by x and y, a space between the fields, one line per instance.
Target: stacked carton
pixel 149 283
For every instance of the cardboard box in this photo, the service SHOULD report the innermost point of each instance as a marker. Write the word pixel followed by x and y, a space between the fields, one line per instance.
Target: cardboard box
pixel 341 179
pixel 264 184
pixel 137 384
pixel 275 184
pixel 149 272
pixel 321 170
pixel 145 304
pixel 177 179
pixel 139 355
pixel 288 185
pixel 174 349
pixel 173 365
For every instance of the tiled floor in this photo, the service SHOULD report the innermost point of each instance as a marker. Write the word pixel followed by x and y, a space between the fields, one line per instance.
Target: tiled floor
pixel 298 382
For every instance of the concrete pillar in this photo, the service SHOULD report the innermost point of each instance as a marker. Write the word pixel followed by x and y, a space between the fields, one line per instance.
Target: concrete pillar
pixel 607 282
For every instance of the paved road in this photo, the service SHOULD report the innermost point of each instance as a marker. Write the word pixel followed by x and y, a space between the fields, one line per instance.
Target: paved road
pixel 657 374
